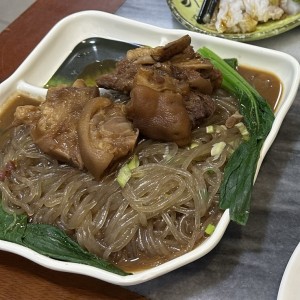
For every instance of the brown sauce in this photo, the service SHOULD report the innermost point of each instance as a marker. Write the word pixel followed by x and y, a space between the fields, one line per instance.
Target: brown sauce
pixel 267 84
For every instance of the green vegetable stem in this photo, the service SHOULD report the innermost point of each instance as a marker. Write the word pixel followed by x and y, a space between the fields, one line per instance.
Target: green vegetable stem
pixel 235 191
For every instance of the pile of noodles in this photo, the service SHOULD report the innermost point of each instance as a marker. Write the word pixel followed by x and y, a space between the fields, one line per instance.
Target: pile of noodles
pixel 161 213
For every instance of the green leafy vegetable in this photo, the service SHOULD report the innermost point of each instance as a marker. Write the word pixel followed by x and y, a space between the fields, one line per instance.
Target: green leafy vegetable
pixel 235 191
pixel 232 62
pixel 49 241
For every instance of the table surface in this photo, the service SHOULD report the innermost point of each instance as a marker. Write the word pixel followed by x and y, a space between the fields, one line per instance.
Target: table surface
pixel 249 261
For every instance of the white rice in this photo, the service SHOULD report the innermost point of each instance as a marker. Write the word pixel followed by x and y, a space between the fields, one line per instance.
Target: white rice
pixel 290 7
pixel 236 16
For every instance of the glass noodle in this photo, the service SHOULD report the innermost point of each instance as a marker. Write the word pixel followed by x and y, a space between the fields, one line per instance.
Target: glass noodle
pixel 162 212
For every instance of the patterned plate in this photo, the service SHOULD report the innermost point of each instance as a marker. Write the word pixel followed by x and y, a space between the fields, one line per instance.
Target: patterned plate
pixel 186 11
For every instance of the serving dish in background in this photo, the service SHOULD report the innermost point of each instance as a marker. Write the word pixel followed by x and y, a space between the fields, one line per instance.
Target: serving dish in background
pixel 59 44
pixel 289 287
pixel 186 13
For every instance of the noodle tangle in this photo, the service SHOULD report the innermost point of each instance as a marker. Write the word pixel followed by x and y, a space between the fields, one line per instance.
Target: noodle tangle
pixel 161 213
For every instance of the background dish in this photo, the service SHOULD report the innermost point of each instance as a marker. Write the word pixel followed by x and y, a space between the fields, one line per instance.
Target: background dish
pixel 289 288
pixel 186 13
pixel 50 54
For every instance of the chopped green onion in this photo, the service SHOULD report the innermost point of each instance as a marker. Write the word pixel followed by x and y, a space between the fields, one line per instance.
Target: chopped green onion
pixel 210 129
pixel 215 128
pixel 217 149
pixel 134 163
pixel 194 145
pixel 210 229
pixel 243 129
pixel 124 173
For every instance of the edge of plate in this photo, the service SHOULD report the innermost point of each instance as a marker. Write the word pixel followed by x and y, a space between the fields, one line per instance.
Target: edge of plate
pixel 160 34
pixel 284 292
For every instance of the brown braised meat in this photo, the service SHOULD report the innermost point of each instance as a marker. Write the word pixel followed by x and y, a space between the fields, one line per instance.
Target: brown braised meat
pixel 157 108
pixel 199 107
pixel 54 123
pixel 105 134
pixel 175 69
pixel 76 126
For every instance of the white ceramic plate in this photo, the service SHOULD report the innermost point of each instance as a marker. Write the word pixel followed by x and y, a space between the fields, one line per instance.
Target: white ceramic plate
pixel 290 284
pixel 47 57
